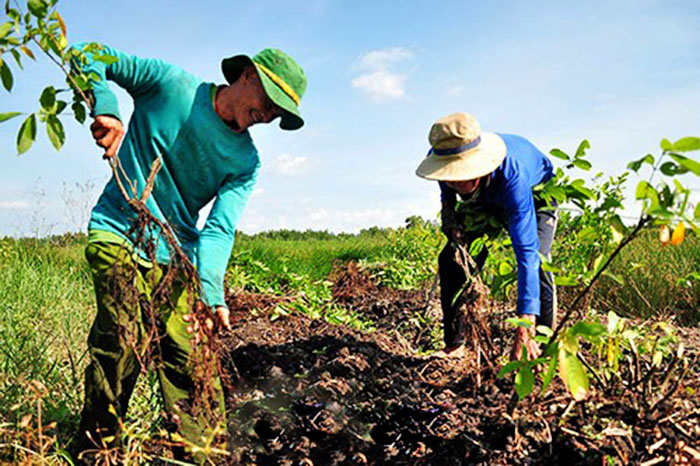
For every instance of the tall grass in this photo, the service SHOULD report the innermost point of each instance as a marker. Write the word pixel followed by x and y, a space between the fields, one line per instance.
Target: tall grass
pixel 46 309
pixel 654 280
pixel 312 258
pixel 46 304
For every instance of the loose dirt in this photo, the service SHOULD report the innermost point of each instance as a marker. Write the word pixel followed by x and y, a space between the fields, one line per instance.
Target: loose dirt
pixel 305 392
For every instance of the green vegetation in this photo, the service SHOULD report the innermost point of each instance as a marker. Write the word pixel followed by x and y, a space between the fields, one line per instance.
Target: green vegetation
pixel 48 304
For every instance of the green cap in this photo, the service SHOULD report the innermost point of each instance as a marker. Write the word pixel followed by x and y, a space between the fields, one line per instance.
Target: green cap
pixel 282 78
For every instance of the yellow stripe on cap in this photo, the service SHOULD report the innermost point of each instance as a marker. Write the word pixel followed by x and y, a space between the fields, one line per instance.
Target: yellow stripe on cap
pixel 280 82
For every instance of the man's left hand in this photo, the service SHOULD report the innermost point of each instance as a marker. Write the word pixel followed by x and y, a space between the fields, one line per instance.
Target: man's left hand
pixel 221 317
pixel 523 339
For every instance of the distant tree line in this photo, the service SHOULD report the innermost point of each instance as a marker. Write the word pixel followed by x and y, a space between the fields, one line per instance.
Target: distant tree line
pixel 413 221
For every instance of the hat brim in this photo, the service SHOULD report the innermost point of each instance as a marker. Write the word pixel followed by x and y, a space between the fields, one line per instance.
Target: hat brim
pixel 468 165
pixel 291 118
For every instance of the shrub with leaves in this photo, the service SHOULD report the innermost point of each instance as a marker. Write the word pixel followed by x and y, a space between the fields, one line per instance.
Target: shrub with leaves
pixel 409 261
pixel 599 237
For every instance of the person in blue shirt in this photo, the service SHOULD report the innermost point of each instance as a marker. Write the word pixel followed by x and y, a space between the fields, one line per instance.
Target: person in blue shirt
pixel 495 175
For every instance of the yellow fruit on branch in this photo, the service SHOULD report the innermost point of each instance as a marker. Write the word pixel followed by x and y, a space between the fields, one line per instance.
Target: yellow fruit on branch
pixel 678 234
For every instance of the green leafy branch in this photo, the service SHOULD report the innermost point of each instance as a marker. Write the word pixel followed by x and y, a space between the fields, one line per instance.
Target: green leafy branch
pixel 43 27
pixel 661 204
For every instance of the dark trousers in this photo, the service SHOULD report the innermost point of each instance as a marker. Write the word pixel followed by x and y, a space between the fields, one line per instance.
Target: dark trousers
pixel 453 277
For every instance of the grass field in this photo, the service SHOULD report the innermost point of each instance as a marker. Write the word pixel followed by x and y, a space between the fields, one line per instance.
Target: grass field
pixel 47 305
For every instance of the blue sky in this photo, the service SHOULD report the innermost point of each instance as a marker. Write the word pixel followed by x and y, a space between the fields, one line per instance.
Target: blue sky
pixel 623 74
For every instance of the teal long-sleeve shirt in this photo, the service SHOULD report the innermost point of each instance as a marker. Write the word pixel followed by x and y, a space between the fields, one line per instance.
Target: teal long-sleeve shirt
pixel 202 159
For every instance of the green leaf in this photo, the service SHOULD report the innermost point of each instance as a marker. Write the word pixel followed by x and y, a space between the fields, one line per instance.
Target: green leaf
pixel 687 144
pixel 524 382
pixel 696 213
pixel 559 154
pixel 54 129
pixel 636 165
pixel 582 164
pixel 643 190
pixel 666 145
pixel 26 134
pixel 81 83
pixel 7 116
pixel 588 329
pixel 569 342
pixel 38 8
pixel 48 98
pixel 549 375
pixel 565 281
pixel 60 106
pixel 687 163
pixel 78 112
pixel 17 57
pixel 106 59
pixel 671 169
pixel 581 151
pixel 6 75
pixel 5 29
pixel 510 367
pixel 548 266
pixel 544 330
pixel 618 227
pixel 573 374
pixel 504 268
pixel 519 322
pixel 588 234
pixel 579 186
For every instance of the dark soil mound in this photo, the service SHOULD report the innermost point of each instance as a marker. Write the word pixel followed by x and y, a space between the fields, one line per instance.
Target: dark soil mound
pixel 305 392
pixel 411 315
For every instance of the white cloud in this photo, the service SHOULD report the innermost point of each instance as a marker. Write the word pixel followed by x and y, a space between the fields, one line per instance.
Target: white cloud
pixel 382 84
pixel 379 78
pixel 290 165
pixel 383 58
pixel 13 205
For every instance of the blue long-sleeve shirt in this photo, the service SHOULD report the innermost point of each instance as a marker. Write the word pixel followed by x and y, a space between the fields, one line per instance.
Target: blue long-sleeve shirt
pixel 203 159
pixel 509 190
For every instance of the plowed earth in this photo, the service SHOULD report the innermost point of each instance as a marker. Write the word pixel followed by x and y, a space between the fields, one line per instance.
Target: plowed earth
pixel 305 392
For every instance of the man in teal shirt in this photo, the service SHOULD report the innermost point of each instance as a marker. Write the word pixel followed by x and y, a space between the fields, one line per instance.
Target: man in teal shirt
pixel 199 132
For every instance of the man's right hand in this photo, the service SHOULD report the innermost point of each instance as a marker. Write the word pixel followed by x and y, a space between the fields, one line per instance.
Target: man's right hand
pixel 108 132
pixel 453 231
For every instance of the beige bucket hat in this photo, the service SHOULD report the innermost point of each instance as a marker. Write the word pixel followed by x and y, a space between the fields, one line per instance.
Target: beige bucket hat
pixel 460 151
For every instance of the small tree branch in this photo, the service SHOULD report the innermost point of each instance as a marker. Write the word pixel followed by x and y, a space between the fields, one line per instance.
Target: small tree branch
pixel 573 307
pixel 70 77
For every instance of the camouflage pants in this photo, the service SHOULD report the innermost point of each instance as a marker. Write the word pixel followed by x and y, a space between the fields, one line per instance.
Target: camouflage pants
pixel 453 276
pixel 118 338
